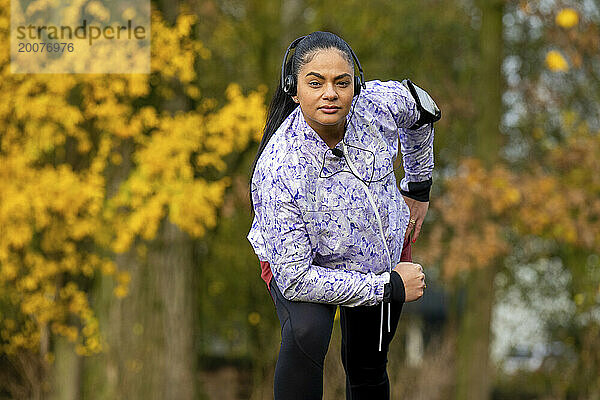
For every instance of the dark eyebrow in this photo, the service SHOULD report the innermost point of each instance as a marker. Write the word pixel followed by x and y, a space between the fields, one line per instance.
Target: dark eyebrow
pixel 322 77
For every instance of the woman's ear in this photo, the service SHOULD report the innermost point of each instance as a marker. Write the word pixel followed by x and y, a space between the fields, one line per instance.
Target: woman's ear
pixel 295 98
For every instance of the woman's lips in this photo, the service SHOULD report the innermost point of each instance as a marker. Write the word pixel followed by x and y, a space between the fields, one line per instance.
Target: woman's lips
pixel 329 110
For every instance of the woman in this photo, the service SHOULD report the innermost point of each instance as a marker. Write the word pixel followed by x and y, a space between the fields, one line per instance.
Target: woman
pixel 331 227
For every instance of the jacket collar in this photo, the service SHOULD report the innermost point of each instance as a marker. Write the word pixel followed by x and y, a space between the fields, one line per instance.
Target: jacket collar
pixel 312 146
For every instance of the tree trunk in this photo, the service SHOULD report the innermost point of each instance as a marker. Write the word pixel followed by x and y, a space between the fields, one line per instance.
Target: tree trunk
pixel 66 371
pixel 473 370
pixel 151 332
pixel 474 375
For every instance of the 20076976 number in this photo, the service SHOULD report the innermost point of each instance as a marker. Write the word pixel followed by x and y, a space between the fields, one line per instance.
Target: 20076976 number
pixel 45 47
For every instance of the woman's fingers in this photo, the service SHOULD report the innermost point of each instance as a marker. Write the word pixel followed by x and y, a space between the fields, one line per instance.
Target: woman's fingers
pixel 410 226
pixel 418 210
pixel 408 230
pixel 414 227
pixel 417 229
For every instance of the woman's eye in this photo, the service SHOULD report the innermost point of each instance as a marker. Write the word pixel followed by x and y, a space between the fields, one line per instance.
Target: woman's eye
pixel 344 83
pixel 314 83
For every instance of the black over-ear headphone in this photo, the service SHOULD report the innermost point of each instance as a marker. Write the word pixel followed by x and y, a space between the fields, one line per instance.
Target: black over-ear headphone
pixel 288 81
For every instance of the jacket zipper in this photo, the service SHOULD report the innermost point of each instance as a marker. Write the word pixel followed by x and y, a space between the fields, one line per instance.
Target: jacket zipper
pixel 372 201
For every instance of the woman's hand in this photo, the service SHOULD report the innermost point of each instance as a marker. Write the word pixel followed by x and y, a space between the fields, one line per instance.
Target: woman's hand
pixel 418 210
pixel 414 279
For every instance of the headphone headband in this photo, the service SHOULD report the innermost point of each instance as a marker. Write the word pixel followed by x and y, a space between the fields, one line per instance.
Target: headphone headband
pixel 288 82
pixel 285 85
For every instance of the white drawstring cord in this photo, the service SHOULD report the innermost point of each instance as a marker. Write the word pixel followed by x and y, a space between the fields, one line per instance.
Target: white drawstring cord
pixel 381 327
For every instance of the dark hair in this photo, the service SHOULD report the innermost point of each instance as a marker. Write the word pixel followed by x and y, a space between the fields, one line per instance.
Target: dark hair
pixel 282 105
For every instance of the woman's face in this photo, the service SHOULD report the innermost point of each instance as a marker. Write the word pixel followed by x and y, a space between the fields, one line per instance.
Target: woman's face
pixel 325 90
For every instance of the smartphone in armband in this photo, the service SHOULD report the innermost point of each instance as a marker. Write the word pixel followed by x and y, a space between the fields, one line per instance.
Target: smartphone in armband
pixel 429 112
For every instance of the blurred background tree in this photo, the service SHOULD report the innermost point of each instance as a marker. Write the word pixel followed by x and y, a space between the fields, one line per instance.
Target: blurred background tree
pixel 107 183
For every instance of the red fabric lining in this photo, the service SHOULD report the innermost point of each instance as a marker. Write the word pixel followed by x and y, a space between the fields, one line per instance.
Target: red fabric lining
pixel 266 273
pixel 406 250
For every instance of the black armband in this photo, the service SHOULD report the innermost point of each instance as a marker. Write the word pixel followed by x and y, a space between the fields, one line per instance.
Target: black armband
pixel 418 190
pixel 428 110
pixel 394 290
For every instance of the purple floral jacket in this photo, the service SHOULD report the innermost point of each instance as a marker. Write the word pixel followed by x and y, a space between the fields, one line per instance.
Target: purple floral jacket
pixel 328 236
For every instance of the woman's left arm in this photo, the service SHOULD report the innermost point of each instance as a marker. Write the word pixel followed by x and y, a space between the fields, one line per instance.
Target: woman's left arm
pixel 408 111
pixel 413 113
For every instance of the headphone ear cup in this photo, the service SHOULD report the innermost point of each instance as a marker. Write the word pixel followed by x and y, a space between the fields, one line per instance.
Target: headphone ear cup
pixel 286 84
pixel 289 86
pixel 357 85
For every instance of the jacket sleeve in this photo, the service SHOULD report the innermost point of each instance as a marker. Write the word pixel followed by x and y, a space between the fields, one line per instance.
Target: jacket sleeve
pixel 289 253
pixel 416 145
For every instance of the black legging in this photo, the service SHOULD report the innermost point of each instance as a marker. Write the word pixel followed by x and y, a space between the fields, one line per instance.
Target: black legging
pixel 305 334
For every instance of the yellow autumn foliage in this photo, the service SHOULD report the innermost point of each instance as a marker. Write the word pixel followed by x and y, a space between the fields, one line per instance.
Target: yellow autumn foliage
pixel 567 18
pixel 64 138
pixel 556 62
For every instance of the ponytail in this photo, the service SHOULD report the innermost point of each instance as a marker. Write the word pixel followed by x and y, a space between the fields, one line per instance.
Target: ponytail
pixel 280 108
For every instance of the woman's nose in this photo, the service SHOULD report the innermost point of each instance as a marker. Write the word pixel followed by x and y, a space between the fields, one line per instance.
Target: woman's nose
pixel 330 92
